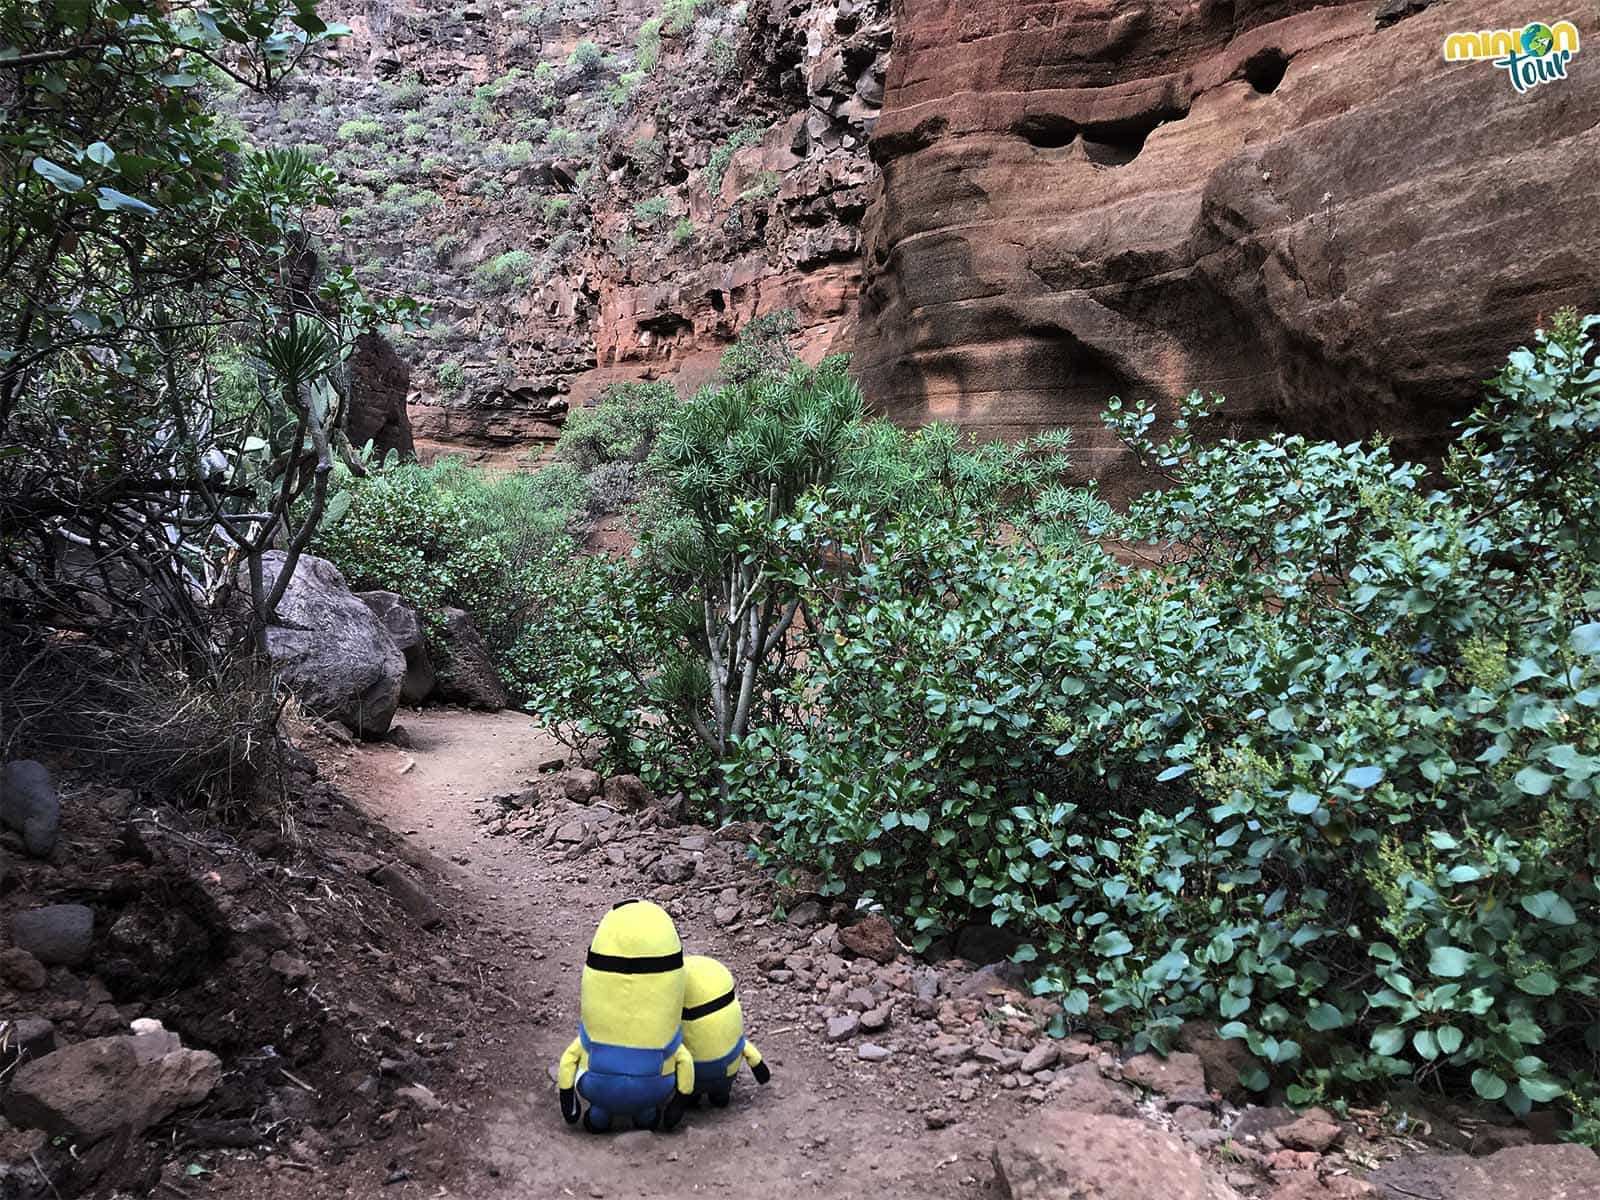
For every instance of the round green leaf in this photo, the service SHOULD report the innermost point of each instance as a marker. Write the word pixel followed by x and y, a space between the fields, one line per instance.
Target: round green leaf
pixel 1488 1085
pixel 1449 962
pixel 1540 983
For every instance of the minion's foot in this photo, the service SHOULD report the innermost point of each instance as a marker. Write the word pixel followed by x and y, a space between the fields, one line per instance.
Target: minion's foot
pixel 597 1120
pixel 719 1099
pixel 649 1118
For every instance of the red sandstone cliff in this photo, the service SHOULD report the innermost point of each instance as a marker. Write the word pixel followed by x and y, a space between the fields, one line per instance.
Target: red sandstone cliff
pixel 1282 202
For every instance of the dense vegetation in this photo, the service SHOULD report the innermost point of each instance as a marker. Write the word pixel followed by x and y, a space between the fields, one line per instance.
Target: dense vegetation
pixel 1321 770
pixel 172 380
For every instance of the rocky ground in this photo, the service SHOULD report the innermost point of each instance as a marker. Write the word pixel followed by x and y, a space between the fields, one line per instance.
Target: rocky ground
pixel 367 995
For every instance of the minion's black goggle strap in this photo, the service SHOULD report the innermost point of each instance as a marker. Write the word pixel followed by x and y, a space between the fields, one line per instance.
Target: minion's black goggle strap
pixel 709 1007
pixel 622 964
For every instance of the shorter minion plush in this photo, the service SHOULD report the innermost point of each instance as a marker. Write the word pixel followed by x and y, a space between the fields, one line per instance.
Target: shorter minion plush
pixel 713 1030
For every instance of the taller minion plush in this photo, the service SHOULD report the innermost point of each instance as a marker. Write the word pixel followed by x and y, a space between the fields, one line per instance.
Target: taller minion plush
pixel 713 1030
pixel 628 1058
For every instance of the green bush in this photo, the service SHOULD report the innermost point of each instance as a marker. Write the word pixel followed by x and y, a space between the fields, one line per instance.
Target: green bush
pixel 556 210
pixel 678 15
pixel 717 165
pixel 585 56
pixel 647 45
pixel 451 378
pixel 650 212
pixel 764 186
pixel 1326 776
pixel 505 272
pixel 361 129
pixel 446 534
pixel 683 231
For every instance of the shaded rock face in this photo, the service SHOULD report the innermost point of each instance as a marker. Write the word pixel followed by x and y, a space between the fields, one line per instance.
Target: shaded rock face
pixel 379 381
pixel 1280 201
pixel 464 671
pixel 1563 1172
pixel 400 618
pixel 329 648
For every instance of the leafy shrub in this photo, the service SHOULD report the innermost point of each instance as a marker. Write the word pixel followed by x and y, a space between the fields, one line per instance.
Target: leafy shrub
pixel 717 164
pixel 650 212
pixel 612 487
pixel 562 141
pixel 446 534
pixel 683 231
pixel 585 57
pixel 406 95
pixel 1327 775
pixel 617 94
pixel 414 131
pixel 647 45
pixel 505 272
pixel 678 15
pixel 556 210
pixel 451 378
pixel 361 129
pixel 622 428
pixel 544 76
pixel 764 186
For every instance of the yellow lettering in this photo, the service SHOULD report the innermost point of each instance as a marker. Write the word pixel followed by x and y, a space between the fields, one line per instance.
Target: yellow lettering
pixel 1566 36
pixel 1500 42
pixel 1462 47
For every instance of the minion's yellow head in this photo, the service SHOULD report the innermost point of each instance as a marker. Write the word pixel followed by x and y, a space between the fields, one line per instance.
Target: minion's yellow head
pixel 713 1022
pixel 633 978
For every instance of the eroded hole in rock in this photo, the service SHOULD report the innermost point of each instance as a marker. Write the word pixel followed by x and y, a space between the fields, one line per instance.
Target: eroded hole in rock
pixel 1116 143
pixel 1264 70
pixel 1046 130
pixel 714 298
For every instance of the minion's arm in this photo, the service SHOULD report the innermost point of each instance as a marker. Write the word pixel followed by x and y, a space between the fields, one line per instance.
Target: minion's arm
pixel 683 1069
pixel 683 1066
pixel 759 1069
pixel 567 1078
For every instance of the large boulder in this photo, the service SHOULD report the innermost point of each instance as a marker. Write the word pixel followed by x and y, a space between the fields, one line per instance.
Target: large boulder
pixel 1279 202
pixel 329 648
pixel 1059 1154
pixel 401 619
pixel 1560 1172
pixel 29 805
pixel 465 672
pixel 91 1089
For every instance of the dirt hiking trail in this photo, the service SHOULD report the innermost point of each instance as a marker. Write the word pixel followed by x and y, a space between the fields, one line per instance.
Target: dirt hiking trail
pixel 521 921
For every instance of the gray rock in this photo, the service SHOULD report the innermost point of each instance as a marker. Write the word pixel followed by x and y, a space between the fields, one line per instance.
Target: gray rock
pixel 56 935
pixel 872 1052
pixel 419 905
pixel 1043 1056
pixel 331 651
pixel 1084 1089
pixel 627 791
pixel 464 671
pixel 579 783
pixel 29 805
pixel 1180 1077
pixel 806 914
pixel 399 616
pixel 843 1028
pixel 1315 1129
pixel 673 868
pixel 90 1089
pixel 1560 1172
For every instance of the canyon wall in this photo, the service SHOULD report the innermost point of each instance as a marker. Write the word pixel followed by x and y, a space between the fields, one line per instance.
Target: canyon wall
pixel 588 191
pixel 1302 206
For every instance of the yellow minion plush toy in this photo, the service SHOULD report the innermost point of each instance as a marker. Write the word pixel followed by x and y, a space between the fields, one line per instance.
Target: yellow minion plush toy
pixel 629 1058
pixel 713 1030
